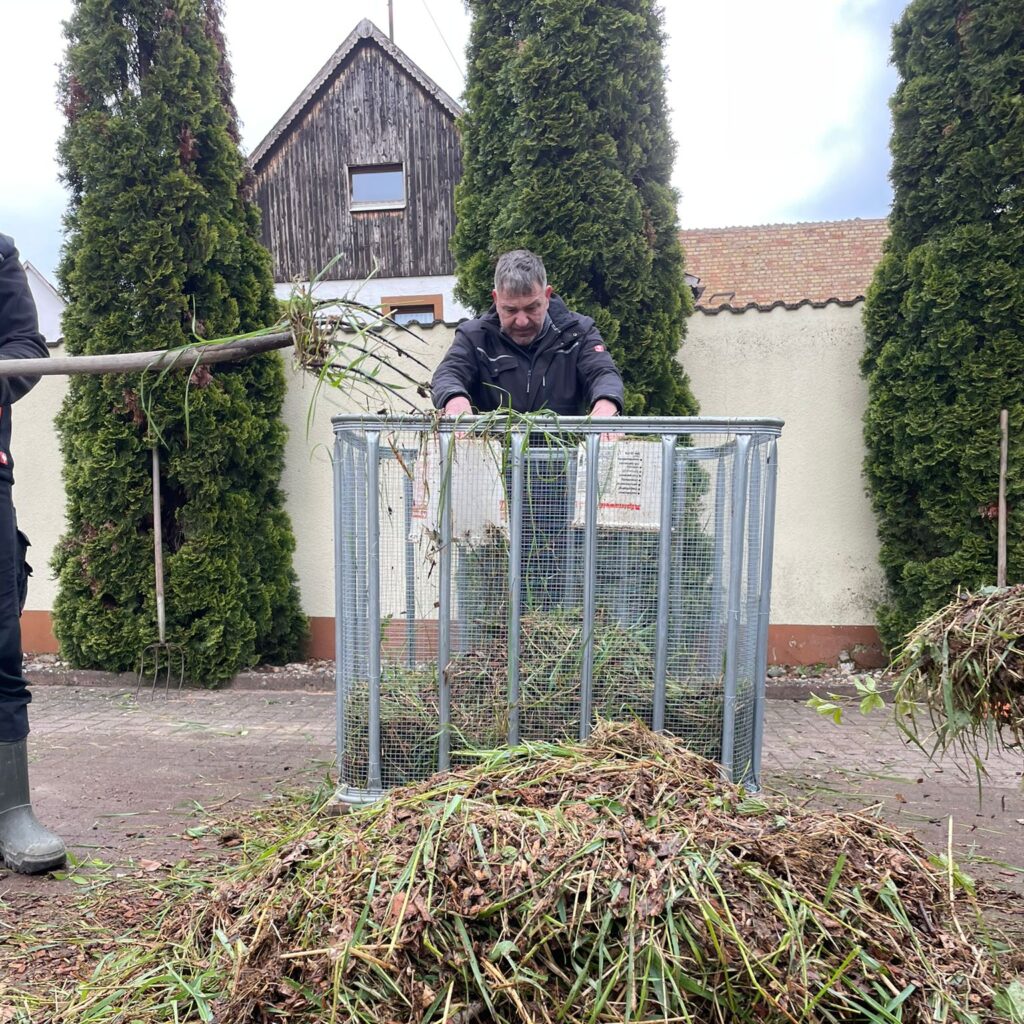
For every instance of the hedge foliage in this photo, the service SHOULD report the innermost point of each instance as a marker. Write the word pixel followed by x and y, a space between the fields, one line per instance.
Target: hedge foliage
pixel 945 313
pixel 567 151
pixel 162 240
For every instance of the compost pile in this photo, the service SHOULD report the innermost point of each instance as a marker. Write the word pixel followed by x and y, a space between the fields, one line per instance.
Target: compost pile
pixel 550 655
pixel 965 667
pixel 619 880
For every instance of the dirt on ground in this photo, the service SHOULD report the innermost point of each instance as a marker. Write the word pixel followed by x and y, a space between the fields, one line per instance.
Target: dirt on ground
pixel 141 784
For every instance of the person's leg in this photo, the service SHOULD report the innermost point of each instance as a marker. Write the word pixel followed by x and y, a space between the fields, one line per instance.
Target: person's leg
pixel 14 694
pixel 25 845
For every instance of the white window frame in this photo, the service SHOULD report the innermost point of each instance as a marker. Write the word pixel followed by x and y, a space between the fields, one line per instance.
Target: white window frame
pixel 377 204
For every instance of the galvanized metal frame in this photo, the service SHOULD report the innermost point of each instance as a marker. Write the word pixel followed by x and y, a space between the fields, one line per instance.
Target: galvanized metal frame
pixel 749 520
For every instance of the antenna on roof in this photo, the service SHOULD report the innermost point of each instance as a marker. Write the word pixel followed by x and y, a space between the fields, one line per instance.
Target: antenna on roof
pixel 391 20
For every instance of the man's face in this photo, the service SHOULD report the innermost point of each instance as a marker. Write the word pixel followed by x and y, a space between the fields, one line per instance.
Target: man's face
pixel 522 316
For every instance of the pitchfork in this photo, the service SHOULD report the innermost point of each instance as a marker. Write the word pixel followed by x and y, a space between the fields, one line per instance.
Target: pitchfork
pixel 161 659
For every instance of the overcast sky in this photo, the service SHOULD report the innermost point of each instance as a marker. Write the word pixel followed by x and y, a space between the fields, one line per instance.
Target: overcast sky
pixel 779 110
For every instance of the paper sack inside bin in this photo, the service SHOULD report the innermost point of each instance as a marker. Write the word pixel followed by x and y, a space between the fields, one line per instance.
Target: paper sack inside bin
pixel 628 488
pixel 479 506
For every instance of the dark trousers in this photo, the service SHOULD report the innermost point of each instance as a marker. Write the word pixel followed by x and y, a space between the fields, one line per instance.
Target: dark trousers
pixel 14 695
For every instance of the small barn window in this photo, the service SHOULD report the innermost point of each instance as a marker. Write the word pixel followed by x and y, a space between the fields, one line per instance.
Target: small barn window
pixel 418 309
pixel 377 187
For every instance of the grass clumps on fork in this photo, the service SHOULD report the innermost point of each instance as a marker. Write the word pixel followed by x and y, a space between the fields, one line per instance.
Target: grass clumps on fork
pixel 964 668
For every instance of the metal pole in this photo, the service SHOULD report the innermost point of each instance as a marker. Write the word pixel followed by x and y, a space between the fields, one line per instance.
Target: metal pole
pixel 764 610
pixel 571 547
pixel 374 776
pixel 350 585
pixel 736 544
pixel 714 664
pixel 341 573
pixel 515 581
pixel 446 468
pixel 349 582
pixel 410 569
pixel 359 607
pixel 589 583
pixel 668 466
pixel 747 655
pixel 391 20
pixel 679 621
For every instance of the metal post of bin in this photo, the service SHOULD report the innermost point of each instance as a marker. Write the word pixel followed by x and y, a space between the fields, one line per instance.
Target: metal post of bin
pixel 374 779
pixel 677 586
pixel 341 606
pixel 410 572
pixel 764 609
pixel 745 697
pixel 515 581
pixel 668 465
pixel 444 600
pixel 736 541
pixel 718 593
pixel 593 452
pixel 359 609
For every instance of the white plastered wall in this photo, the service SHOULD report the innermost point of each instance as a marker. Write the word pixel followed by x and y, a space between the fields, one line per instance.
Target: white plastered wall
pixel 371 291
pixel 307 478
pixel 801 365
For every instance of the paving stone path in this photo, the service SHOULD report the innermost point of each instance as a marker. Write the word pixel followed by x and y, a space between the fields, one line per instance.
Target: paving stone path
pixel 123 778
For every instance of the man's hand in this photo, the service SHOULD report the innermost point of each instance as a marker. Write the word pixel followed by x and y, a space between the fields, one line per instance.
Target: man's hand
pixel 604 407
pixel 457 406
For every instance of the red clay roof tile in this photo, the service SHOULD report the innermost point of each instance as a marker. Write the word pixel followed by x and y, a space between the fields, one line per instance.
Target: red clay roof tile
pixel 791 264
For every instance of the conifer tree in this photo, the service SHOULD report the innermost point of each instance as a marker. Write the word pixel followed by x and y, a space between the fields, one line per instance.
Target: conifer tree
pixel 162 243
pixel 945 350
pixel 567 151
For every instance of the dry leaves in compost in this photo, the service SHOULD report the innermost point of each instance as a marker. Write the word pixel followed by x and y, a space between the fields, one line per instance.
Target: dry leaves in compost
pixel 617 880
pixel 965 667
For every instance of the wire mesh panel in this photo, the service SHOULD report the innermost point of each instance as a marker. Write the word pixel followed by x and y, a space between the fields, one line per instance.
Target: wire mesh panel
pixel 500 580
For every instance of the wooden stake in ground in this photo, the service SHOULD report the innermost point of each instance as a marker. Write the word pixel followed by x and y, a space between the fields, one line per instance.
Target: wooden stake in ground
pixel 1004 431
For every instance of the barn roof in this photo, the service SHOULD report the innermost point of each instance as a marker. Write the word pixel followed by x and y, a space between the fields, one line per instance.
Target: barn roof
pixel 364 31
pixel 790 265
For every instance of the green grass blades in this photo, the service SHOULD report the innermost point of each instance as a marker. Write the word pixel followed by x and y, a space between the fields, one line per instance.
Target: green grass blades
pixel 961 674
pixel 610 881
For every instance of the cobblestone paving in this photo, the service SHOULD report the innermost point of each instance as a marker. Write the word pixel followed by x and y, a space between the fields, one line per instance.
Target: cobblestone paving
pixel 121 776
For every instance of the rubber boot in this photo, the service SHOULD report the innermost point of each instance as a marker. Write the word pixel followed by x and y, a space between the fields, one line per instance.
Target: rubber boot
pixel 25 846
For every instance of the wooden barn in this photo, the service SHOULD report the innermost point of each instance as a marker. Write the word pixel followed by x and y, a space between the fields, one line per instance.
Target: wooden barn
pixel 361 170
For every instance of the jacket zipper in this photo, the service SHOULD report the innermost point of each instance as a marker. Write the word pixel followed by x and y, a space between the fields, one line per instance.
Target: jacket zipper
pixel 544 376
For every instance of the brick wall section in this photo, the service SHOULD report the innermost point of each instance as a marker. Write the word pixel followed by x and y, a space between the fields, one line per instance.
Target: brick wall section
pixel 788 263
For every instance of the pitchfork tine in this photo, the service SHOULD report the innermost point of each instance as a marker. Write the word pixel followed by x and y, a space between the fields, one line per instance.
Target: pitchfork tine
pixel 168 654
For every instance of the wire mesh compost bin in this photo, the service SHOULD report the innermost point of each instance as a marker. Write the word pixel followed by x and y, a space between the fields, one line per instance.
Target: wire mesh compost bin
pixel 514 580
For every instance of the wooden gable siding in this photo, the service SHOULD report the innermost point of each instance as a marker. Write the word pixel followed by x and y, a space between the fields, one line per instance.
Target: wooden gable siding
pixel 370 113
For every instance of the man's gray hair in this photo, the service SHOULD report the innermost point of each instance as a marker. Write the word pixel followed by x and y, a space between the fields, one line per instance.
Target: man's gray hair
pixel 519 272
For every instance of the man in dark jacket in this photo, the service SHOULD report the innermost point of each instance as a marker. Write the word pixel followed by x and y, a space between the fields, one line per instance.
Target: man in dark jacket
pixel 529 351
pixel 24 844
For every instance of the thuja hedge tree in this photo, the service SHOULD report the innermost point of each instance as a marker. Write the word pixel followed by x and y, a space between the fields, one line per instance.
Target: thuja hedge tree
pixel 567 151
pixel 945 312
pixel 162 242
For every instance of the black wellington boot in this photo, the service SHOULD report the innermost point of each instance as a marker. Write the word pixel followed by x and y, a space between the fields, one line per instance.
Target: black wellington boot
pixel 25 846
